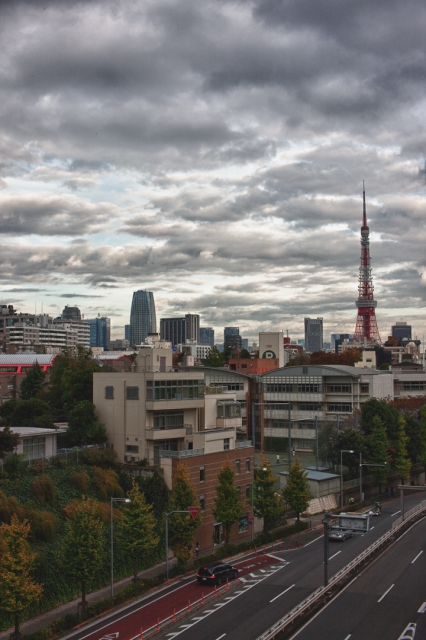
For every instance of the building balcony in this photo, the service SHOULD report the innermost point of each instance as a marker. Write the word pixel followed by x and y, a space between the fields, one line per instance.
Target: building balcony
pixel 166 433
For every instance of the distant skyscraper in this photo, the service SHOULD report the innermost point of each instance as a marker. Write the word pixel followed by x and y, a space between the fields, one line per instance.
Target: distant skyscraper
pixel 207 336
pixel 232 337
pixel 401 330
pixel 71 313
pixel 127 332
pixel 142 317
pixel 179 330
pixel 244 343
pixel 100 332
pixel 313 334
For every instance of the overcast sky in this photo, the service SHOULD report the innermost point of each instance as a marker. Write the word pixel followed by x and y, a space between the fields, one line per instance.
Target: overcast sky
pixel 213 152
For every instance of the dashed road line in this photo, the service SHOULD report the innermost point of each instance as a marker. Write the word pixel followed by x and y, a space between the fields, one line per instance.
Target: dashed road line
pixel 282 593
pixel 417 556
pixel 385 593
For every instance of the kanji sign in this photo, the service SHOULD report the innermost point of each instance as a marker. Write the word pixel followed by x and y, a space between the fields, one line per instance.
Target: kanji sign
pixel 194 511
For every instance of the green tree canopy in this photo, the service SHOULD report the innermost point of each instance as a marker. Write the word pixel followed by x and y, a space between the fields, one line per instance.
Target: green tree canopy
pixel 245 354
pixel 18 591
pixel 27 413
pixel 327 437
pixel 351 440
pixel 228 507
pixel 136 530
pixel 377 448
pixel 402 461
pixel 267 503
pixel 8 441
pixel 71 381
pixel 83 426
pixel 83 549
pixel 296 493
pixel 182 526
pixel 33 382
pixel 214 358
pixel 387 414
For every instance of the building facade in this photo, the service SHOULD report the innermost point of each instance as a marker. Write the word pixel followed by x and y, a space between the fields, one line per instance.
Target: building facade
pixel 180 330
pixel 143 319
pixel 207 336
pixel 100 332
pixel 313 334
pixel 401 331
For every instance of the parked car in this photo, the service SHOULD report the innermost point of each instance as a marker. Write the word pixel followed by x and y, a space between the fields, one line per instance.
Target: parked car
pixel 216 573
pixel 340 534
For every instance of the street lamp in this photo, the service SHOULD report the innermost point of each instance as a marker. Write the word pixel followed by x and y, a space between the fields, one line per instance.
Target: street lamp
pixel 126 500
pixel 342 451
pixel 361 465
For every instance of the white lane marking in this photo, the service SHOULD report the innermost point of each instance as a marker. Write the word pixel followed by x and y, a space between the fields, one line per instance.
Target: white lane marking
pixel 409 632
pixel 371 528
pixel 319 538
pixel 222 636
pixel 336 554
pixel 347 637
pixel 385 593
pixel 271 555
pixel 422 608
pixel 282 593
pixel 417 556
pixel 396 513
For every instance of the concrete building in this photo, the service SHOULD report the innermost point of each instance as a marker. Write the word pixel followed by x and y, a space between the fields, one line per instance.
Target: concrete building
pixel 78 329
pixel 71 313
pixel 179 330
pixel 119 345
pixel 271 345
pixel 313 334
pixel 37 443
pixel 401 331
pixel 143 319
pixel 100 332
pixel 197 351
pixel 207 336
pixel 253 366
pixel 14 367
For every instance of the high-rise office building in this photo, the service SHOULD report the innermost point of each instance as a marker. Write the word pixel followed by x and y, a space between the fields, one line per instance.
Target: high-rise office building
pixel 142 317
pixel 313 334
pixel 100 332
pixel 71 313
pixel 179 330
pixel 207 336
pixel 401 331
pixel 232 338
pixel 127 332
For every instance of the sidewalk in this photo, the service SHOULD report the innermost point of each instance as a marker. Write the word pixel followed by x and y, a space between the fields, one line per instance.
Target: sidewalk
pixel 45 619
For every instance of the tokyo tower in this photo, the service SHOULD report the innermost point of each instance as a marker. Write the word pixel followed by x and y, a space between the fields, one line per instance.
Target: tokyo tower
pixel 366 324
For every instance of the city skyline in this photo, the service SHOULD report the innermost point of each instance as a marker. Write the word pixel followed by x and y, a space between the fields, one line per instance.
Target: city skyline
pixel 213 153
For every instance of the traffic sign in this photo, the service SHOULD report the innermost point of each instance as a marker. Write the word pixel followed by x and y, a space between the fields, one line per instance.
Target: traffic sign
pixel 194 511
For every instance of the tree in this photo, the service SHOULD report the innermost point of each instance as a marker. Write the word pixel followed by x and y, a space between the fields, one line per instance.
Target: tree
pixel 402 461
pixel 8 441
pixel 83 426
pixel 18 591
pixel 377 445
pixel 245 354
pixel 296 493
pixel 137 528
pixel 387 414
pixel 267 503
pixel 27 413
pixel 182 526
pixel 214 358
pixel 33 382
pixel 327 437
pixel 83 550
pixel 228 507
pixel 351 440
pixel 71 381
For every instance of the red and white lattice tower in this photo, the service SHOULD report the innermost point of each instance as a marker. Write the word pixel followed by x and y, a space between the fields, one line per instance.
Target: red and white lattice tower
pixel 366 323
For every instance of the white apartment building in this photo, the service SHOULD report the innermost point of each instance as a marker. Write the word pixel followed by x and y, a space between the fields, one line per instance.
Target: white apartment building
pixel 198 351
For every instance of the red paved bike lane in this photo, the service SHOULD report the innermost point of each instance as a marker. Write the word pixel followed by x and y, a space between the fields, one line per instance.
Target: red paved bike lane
pixel 149 614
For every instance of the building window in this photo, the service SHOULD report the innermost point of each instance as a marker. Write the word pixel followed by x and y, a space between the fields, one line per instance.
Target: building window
pixel 309 406
pixel 202 474
pixel 34 447
pixel 202 503
pixel 109 393
pixel 239 492
pixel 237 467
pixel 365 387
pixel 243 524
pixel 168 420
pixel 340 407
pixel 339 388
pixel 132 448
pixel 226 444
pixel 174 389
pixel 229 410
pixel 247 465
pixel 132 393
pixel 248 491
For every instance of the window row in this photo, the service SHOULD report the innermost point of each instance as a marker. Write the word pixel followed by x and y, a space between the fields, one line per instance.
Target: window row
pixel 342 407
pixel 168 419
pixel 174 389
pixel 339 388
pixel 229 410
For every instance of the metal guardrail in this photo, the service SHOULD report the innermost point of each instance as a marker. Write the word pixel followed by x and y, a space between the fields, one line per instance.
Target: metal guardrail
pixel 288 619
pixel 355 482
pixel 243 444
pixel 187 453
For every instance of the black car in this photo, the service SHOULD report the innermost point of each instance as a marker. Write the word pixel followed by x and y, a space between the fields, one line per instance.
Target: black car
pixel 216 573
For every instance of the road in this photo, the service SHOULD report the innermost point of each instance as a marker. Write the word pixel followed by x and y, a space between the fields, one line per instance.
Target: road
pixel 265 594
pixel 383 601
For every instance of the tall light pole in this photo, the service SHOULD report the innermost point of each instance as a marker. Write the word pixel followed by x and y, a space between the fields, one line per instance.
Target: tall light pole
pixel 361 465
pixel 342 451
pixel 126 500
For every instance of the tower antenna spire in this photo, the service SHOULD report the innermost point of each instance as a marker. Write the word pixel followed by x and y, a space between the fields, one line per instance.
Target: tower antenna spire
pixel 366 329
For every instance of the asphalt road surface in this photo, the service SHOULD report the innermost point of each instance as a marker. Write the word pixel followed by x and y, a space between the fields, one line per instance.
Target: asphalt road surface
pixel 384 601
pixel 265 593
